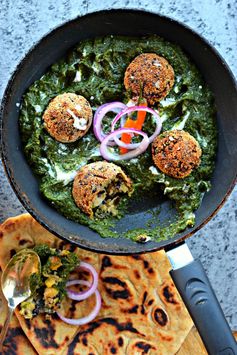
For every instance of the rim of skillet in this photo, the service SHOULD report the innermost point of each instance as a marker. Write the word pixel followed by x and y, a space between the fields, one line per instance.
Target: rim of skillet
pixel 134 248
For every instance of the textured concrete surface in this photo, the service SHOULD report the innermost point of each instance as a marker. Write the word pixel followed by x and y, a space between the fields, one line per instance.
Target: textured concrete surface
pixel 23 22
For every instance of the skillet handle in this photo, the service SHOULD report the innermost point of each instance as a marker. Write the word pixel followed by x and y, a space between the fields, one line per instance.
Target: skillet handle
pixel 196 291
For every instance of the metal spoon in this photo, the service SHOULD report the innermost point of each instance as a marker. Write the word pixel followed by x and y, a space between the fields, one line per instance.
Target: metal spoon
pixel 15 282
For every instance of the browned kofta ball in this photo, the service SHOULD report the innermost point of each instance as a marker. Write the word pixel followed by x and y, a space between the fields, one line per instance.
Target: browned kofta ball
pixel 68 117
pixel 150 75
pixel 176 153
pixel 98 188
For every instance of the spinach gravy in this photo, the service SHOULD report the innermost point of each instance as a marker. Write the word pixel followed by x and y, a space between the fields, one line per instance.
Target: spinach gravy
pixel 95 69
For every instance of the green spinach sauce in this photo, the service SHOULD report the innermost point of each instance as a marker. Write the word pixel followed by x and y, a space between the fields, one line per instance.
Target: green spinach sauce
pixel 99 67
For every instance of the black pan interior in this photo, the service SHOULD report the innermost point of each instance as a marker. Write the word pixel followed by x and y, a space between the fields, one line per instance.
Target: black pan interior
pixel 54 46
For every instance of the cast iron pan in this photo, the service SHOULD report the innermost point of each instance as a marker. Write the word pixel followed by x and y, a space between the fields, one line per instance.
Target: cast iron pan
pixel 216 73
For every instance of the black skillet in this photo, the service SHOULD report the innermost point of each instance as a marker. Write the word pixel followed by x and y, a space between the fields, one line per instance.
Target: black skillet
pixel 188 275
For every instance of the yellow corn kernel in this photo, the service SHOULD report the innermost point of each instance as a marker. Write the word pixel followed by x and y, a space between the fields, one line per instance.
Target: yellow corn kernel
pixel 64 252
pixel 30 305
pixel 50 281
pixel 50 292
pixel 55 262
pixel 26 313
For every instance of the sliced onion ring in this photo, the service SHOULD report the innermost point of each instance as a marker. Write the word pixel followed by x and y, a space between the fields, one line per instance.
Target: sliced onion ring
pixel 79 296
pixel 128 111
pixel 93 313
pixel 142 146
pixel 116 107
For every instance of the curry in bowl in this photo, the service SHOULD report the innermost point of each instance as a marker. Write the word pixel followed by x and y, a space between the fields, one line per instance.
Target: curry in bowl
pixel 112 121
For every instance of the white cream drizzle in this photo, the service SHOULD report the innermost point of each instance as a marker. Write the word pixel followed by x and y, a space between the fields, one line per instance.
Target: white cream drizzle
pixel 38 108
pixel 77 77
pixel 181 124
pixel 157 63
pixel 153 170
pixel 79 123
pixel 167 102
pixel 65 176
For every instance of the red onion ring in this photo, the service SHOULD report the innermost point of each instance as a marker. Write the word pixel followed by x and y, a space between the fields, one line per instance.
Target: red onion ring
pixel 79 296
pixel 91 315
pixel 132 154
pixel 133 109
pixel 99 115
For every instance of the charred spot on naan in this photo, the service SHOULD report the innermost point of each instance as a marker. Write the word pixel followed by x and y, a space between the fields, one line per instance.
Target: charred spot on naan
pixel 72 309
pixel 168 294
pixel 113 350
pixel 27 323
pixel 106 262
pixel 145 294
pixel 89 329
pixel 137 274
pixel 86 331
pixel 132 310
pixel 166 338
pixel 160 317
pixel 110 348
pixel 67 246
pixel 46 335
pixel 12 252
pixel 120 341
pixel 146 265
pixel 117 289
pixel 136 257
pixel 12 341
pixel 140 347
pixel 150 302
pixel 144 346
pixel 22 242
pixel 123 326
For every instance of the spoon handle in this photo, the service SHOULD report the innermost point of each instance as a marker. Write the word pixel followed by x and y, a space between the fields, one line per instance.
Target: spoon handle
pixel 5 327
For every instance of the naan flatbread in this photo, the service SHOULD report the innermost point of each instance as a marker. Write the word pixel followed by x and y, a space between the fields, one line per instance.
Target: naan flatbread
pixel 141 313
pixel 48 336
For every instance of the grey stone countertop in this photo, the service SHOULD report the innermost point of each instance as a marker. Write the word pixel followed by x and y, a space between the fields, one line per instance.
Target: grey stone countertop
pixel 23 22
